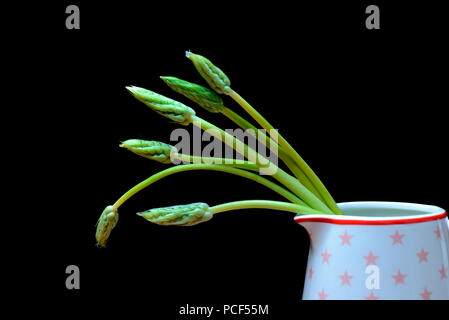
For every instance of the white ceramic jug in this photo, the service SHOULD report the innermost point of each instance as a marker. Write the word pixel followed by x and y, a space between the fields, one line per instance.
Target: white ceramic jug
pixel 378 250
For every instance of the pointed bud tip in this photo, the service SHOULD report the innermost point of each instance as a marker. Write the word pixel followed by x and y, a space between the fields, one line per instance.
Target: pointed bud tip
pixel 132 89
pixel 192 56
pixel 167 78
pixel 126 143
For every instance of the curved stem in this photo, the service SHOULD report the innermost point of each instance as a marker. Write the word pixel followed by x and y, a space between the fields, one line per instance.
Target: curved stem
pixel 291 165
pixel 234 163
pixel 289 149
pixel 245 125
pixel 230 140
pixel 264 204
pixel 312 177
pixel 214 160
pixel 288 195
pixel 287 180
pixel 299 174
pixel 282 176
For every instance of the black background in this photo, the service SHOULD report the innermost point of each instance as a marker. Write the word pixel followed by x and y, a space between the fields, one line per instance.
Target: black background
pixel 365 109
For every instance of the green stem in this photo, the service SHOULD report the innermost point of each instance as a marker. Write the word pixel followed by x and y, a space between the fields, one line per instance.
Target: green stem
pixel 283 176
pixel 245 125
pixel 289 149
pixel 299 174
pixel 288 195
pixel 287 180
pixel 291 165
pixel 263 204
pixel 213 160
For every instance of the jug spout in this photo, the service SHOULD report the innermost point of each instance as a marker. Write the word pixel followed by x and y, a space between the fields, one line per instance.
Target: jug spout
pixel 312 228
pixel 320 232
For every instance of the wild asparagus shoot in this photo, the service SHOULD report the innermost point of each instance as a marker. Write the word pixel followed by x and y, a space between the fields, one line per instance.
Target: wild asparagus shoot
pixel 303 191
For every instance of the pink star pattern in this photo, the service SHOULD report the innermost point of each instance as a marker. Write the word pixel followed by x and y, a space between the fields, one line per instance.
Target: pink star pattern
pixel 311 273
pixel 422 255
pixel 346 278
pixel 443 271
pixel 425 294
pixel 346 238
pixel 399 278
pixel 438 232
pixel 415 266
pixel 322 295
pixel 325 256
pixel 370 258
pixel 397 237
pixel 372 296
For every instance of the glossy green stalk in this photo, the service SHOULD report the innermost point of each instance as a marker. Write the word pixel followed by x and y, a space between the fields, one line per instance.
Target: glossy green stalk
pixel 242 123
pixel 156 177
pixel 287 180
pixel 219 82
pixel 264 204
pixel 243 164
pixel 184 115
pixel 291 152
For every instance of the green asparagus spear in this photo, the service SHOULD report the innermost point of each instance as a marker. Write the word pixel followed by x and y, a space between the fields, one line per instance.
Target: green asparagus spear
pixel 180 215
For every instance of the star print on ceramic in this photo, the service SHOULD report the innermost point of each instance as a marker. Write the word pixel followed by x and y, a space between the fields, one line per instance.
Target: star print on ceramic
pixel 386 254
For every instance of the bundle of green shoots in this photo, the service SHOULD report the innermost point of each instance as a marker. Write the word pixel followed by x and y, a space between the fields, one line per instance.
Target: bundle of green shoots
pixel 304 191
